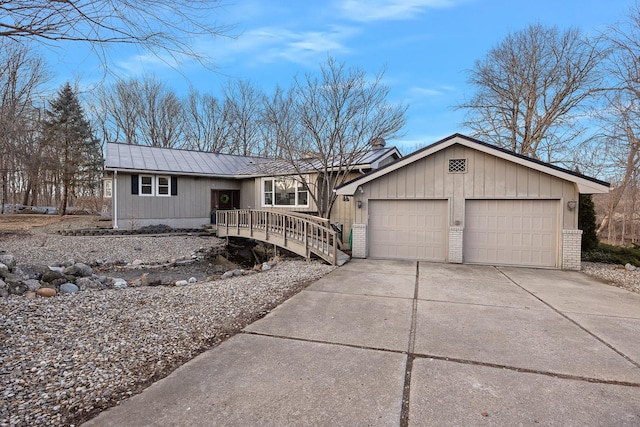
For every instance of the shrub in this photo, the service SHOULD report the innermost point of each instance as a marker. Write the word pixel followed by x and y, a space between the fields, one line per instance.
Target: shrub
pixel 613 255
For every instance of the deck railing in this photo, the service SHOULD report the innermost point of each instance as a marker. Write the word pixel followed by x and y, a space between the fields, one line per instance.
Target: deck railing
pixel 302 234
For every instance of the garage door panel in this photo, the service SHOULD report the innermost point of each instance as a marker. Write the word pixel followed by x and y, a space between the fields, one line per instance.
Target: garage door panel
pixel 511 232
pixel 408 229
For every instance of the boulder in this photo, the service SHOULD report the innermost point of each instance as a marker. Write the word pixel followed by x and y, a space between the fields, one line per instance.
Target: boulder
pixel 119 284
pixel 85 283
pixel 30 295
pixel 266 266
pixel 51 275
pixel 238 272
pixel 3 284
pixel 137 262
pixel 151 281
pixel 227 275
pixel 18 288
pixel 33 271
pixel 79 270
pixel 8 260
pixel 32 284
pixel 68 288
pixel 182 283
pixel 4 270
pixel 630 267
pixel 46 292
pixel 4 293
pixel 192 280
pixel 56 269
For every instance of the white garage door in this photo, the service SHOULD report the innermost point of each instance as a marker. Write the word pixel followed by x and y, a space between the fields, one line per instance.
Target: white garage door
pixel 511 232
pixel 408 229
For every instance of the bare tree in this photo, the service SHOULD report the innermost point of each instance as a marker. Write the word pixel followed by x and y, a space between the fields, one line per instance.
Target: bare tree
pixel 164 27
pixel 531 90
pixel 242 104
pixel 161 115
pixel 206 123
pixel 139 111
pixel 23 75
pixel 621 115
pixel 334 119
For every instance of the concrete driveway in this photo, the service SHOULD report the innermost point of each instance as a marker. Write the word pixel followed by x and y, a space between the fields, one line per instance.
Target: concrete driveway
pixel 388 343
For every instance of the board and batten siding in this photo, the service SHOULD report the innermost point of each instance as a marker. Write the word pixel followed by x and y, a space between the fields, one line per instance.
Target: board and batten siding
pixel 487 177
pixel 189 208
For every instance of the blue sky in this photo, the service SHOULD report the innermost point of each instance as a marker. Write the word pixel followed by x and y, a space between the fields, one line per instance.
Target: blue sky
pixel 425 45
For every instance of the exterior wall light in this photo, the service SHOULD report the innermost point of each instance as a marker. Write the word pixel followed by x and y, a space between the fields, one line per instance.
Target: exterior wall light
pixel 359 204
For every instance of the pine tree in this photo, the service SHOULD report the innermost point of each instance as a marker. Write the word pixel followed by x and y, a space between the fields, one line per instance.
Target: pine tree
pixel 587 223
pixel 72 153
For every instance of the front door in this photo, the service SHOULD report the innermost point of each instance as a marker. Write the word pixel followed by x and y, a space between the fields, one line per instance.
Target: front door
pixel 225 199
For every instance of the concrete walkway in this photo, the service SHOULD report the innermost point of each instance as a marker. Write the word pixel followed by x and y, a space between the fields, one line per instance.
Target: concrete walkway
pixel 388 343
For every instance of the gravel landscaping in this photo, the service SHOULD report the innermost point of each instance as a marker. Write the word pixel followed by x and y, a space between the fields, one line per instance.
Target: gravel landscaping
pixel 66 358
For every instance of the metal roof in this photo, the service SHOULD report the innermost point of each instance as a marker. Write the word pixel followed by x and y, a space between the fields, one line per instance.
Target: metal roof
pixel 155 159
pixel 142 158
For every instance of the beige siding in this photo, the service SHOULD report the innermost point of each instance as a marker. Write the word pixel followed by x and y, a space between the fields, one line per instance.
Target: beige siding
pixel 486 177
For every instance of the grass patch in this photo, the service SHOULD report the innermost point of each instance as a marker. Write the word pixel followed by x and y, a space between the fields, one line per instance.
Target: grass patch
pixel 613 255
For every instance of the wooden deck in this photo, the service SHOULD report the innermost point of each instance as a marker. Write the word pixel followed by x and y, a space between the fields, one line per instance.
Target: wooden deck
pixel 298 233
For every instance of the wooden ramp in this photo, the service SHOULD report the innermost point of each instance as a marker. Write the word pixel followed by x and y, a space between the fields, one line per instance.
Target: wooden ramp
pixel 298 233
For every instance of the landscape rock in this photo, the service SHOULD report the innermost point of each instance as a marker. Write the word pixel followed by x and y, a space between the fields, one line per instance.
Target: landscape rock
pixel 12 279
pixel 18 288
pixel 86 283
pixel 8 260
pixel 79 270
pixel 182 283
pixel 32 271
pixel 46 292
pixel 227 275
pixel 30 295
pixel 4 270
pixel 238 272
pixel 4 292
pixel 32 284
pixel 52 275
pixel 137 262
pixel 3 284
pixel 68 288
pixel 119 284
pixel 630 267
pixel 192 280
pixel 56 269
pixel 266 266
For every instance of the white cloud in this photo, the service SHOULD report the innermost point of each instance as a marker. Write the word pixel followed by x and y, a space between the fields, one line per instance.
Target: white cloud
pixel 416 92
pixel 378 10
pixel 271 44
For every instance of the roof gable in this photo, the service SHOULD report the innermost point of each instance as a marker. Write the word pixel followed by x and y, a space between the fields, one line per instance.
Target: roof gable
pixel 586 185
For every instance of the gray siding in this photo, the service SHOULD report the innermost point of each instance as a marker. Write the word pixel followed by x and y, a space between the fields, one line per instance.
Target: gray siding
pixel 191 207
pixel 486 177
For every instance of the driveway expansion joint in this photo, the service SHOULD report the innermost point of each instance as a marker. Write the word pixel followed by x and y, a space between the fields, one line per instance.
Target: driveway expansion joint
pixel 406 390
pixel 610 346
pixel 526 370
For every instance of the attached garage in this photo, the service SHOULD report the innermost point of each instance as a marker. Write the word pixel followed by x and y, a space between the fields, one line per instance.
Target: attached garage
pixel 511 232
pixel 408 229
pixel 461 200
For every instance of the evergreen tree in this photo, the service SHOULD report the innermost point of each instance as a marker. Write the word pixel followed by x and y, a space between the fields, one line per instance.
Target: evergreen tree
pixel 587 223
pixel 72 153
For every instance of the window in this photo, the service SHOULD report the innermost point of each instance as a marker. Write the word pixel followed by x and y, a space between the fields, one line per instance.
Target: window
pixel 283 192
pixel 146 185
pixel 457 165
pixel 163 186
pixel 108 188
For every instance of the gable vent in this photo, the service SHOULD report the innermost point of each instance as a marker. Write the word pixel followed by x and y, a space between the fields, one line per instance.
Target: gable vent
pixel 457 165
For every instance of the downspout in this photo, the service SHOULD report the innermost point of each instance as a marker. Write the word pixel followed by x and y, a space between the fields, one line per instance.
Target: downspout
pixel 115 199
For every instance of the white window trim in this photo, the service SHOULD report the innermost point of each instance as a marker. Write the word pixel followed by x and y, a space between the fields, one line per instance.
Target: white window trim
pixel 157 186
pixel 153 186
pixel 273 198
